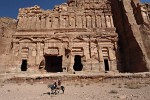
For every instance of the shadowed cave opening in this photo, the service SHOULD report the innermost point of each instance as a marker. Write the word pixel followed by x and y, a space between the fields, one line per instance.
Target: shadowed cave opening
pixel 106 64
pixel 53 63
pixel 77 63
pixel 24 65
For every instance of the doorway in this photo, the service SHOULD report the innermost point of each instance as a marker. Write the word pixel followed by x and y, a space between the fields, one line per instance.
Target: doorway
pixel 77 63
pixel 24 65
pixel 106 64
pixel 53 63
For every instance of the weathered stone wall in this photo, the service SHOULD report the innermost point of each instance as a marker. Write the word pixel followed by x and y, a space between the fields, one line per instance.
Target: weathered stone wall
pixel 7 29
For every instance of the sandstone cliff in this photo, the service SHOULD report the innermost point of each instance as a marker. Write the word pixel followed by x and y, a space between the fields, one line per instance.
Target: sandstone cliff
pixel 7 29
pixel 145 30
pixel 129 17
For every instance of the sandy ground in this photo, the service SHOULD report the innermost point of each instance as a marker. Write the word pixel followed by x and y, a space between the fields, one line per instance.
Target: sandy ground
pixel 75 91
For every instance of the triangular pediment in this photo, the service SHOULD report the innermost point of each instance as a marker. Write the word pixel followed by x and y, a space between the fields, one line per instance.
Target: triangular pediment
pixel 79 40
pixel 53 40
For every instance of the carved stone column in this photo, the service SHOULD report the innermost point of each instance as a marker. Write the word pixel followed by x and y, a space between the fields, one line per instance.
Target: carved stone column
pixel 112 57
pixel 103 21
pixel 13 55
pixel 93 21
pixel 64 58
pixel 30 22
pixel 71 58
pixel 83 21
pixel 78 21
pixel 88 21
pixel 56 22
pixel 98 21
pixel 102 67
pixel 30 60
pixel 86 52
pixel 62 22
pixel 48 22
pixel 71 63
pixel 33 24
pixel 43 25
pixel 72 22
pixel 66 21
pixel 25 20
pixel 38 23
pixel 112 22
pixel 38 53
pixel 108 22
pixel 46 47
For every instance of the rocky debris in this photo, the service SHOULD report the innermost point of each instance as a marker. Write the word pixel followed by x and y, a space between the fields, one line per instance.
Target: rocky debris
pixel 122 97
pixel 7 27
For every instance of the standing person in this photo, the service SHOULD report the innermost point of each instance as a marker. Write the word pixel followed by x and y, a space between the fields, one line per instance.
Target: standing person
pixel 59 82
pixel 55 84
pixel 60 87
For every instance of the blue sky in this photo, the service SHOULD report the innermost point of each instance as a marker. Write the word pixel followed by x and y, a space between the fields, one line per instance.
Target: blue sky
pixel 9 8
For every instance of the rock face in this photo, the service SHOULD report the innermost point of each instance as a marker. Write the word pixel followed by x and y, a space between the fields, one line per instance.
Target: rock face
pixel 130 16
pixel 7 29
pixel 83 35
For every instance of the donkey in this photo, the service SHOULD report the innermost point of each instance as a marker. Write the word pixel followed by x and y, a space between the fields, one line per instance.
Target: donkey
pixel 55 90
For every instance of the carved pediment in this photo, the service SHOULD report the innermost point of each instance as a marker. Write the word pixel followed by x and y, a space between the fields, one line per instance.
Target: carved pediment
pixel 25 40
pixel 53 40
pixel 78 39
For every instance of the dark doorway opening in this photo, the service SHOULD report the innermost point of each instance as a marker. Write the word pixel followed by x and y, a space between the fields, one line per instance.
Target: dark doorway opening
pixel 77 63
pixel 53 63
pixel 106 64
pixel 24 65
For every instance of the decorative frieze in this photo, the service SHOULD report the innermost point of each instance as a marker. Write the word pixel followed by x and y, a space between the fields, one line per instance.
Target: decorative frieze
pixel 86 14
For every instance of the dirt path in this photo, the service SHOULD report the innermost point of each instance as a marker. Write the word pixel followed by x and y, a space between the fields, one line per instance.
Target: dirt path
pixel 75 91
